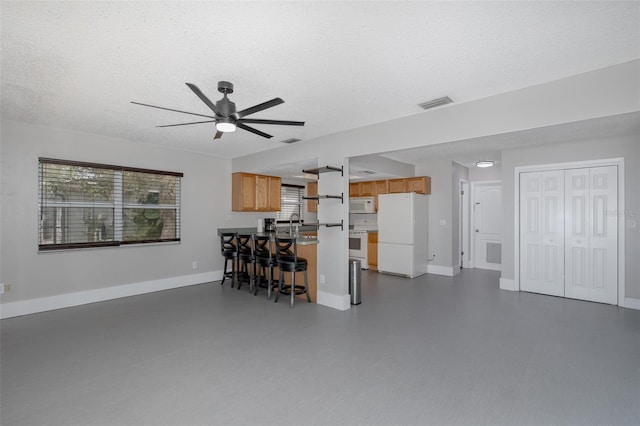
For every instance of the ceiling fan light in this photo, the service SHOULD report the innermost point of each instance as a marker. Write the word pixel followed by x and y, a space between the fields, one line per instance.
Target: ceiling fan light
pixel 484 163
pixel 225 126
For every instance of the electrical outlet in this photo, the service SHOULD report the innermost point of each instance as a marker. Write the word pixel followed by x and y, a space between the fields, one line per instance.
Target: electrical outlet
pixel 321 279
pixel 194 265
pixel 6 288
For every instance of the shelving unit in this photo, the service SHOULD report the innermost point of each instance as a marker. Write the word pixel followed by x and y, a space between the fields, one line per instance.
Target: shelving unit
pixel 318 171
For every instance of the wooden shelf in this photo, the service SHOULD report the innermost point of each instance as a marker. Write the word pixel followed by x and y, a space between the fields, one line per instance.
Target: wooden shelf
pixel 325 169
pixel 324 197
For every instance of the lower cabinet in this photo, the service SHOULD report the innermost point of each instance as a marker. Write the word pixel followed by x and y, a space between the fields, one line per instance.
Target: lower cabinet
pixel 372 249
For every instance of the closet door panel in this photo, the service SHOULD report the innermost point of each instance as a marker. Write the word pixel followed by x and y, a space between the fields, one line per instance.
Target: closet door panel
pixel 542 232
pixel 603 236
pixel 591 270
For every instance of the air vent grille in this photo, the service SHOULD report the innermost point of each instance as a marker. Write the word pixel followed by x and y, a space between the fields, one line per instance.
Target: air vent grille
pixel 366 172
pixel 435 102
pixel 292 140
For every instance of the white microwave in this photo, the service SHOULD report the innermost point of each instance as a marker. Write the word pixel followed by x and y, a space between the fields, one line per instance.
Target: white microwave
pixel 362 205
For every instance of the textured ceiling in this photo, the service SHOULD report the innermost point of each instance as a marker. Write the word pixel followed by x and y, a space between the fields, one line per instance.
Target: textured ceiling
pixel 338 65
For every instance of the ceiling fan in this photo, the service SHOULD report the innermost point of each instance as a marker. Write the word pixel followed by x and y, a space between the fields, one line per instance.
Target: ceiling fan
pixel 226 117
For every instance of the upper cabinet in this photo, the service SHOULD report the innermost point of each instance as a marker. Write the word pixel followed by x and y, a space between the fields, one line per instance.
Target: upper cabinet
pixel 255 193
pixel 420 184
pixel 397 185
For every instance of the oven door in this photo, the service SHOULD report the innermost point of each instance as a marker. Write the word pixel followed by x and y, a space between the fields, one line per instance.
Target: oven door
pixel 358 247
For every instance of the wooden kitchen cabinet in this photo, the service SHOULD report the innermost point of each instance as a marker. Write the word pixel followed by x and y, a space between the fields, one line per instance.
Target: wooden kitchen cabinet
pixel 312 191
pixel 275 194
pixel 367 189
pixel 372 249
pixel 397 186
pixel 420 184
pixel 379 187
pixel 354 189
pixel 251 193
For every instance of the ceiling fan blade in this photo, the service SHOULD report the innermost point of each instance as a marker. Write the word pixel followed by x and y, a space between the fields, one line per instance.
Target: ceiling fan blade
pixel 174 110
pixel 186 124
pixel 204 99
pixel 252 130
pixel 252 110
pixel 281 122
pixel 218 135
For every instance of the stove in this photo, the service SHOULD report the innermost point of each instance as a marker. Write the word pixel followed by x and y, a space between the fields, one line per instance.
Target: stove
pixel 359 240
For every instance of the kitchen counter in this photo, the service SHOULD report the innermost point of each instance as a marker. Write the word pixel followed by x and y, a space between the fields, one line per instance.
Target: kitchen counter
pixel 303 240
pixel 306 249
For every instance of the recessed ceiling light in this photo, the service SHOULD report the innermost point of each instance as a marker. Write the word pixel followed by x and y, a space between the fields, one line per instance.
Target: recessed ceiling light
pixel 484 163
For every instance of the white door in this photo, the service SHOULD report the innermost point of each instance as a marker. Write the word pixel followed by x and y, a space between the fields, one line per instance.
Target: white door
pixel 591 236
pixel 569 233
pixel 542 232
pixel 487 224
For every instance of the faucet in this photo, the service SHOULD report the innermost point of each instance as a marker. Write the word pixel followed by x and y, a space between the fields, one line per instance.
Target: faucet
pixel 291 224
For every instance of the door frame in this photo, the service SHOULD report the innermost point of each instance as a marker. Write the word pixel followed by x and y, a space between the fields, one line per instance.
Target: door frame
pixel 464 260
pixel 619 162
pixel 472 225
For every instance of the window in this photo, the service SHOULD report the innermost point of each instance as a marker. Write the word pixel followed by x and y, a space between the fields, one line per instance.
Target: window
pixel 94 205
pixel 291 202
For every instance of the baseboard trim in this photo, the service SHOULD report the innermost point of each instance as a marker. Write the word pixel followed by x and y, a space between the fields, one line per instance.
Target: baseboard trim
pixel 508 284
pixel 631 303
pixel 341 303
pixel 42 304
pixel 442 270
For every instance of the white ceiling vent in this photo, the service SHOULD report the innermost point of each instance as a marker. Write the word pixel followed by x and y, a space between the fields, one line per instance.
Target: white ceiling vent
pixel 292 140
pixel 435 103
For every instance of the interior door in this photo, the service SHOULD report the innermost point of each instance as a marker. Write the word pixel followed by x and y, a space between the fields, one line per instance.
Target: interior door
pixel 487 224
pixel 591 236
pixel 542 232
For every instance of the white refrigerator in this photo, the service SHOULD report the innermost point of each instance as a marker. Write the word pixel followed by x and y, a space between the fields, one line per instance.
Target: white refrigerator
pixel 403 227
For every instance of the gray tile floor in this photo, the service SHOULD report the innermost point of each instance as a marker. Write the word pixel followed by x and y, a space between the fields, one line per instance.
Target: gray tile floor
pixel 432 350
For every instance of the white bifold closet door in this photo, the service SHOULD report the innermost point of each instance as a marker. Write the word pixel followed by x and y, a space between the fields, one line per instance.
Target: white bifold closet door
pixel 569 234
pixel 591 234
pixel 542 232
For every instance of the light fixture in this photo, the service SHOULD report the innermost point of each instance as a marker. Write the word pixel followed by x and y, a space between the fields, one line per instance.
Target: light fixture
pixel 484 163
pixel 225 125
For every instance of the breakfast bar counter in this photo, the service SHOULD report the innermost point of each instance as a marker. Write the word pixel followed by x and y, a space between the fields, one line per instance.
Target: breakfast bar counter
pixel 307 249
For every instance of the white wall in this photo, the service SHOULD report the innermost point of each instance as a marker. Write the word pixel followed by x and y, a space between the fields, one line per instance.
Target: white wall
pixel 206 205
pixel 629 149
pixel 439 210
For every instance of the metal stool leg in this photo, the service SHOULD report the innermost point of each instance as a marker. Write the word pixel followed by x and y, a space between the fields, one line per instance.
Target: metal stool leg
pixel 293 288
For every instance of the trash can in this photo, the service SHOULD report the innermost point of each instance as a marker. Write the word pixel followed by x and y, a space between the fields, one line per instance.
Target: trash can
pixel 355 272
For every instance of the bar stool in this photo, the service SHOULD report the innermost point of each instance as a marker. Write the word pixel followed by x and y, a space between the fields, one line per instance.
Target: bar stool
pixel 288 261
pixel 265 259
pixel 229 250
pixel 246 254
